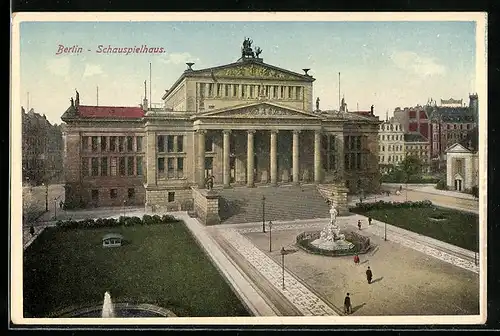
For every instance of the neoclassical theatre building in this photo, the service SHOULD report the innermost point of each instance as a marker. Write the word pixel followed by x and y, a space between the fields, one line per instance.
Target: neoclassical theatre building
pixel 247 123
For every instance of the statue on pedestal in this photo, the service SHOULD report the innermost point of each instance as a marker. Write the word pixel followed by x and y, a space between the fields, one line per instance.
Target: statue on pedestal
pixel 333 215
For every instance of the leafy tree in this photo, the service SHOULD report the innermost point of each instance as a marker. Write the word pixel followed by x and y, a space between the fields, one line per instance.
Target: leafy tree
pixel 475 191
pixel 411 166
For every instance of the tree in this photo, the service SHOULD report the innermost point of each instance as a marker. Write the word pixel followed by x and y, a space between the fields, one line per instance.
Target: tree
pixel 411 167
pixel 475 191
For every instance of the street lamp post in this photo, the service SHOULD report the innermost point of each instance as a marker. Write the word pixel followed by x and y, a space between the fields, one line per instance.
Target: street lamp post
pixel 283 266
pixel 124 202
pixel 270 231
pixel 46 197
pixel 55 208
pixel 264 214
pixel 385 231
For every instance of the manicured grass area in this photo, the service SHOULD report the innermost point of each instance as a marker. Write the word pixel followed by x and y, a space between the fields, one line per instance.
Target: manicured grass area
pixel 459 228
pixel 162 265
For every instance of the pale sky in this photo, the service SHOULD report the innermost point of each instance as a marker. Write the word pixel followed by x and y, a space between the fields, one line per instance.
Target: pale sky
pixel 387 64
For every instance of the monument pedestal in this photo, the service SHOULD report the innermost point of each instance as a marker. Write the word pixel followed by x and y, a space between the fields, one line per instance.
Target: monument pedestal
pixel 339 198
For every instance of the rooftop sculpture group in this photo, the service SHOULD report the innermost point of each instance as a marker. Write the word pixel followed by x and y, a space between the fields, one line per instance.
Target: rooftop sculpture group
pixel 247 51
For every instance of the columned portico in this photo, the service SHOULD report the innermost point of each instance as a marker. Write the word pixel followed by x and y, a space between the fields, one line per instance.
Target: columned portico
pixel 274 157
pixel 250 158
pixel 295 156
pixel 226 158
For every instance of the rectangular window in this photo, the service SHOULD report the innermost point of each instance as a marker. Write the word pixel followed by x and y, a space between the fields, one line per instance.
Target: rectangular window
pixel 251 91
pixel 180 167
pixel 202 89
pixel 219 90
pixel 112 144
pixel 297 92
pixel 171 196
pixel 170 143
pixel 121 144
pixel 130 144
pixel 113 193
pixel 210 89
pixel 243 91
pixel 358 143
pixel 161 143
pixel 138 142
pixel 180 143
pixel 130 165
pixel 138 162
pixel 95 166
pixel 161 165
pixel 113 166
pixel 209 144
pixel 282 92
pixel 226 90
pixel 122 166
pixel 103 143
pixel 131 192
pixel 170 167
pixel 346 162
pixel 85 144
pixel 235 90
pixel 290 92
pixel 85 166
pixel 94 144
pixel 95 195
pixel 104 166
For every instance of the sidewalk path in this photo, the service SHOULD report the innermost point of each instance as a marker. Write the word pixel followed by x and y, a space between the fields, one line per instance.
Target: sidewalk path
pixel 430 188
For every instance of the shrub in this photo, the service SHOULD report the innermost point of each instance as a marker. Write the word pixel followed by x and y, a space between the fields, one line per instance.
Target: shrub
pixel 112 222
pixel 168 219
pixel 441 185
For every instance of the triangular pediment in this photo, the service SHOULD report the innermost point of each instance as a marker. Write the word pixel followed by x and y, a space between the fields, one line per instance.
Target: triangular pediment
pixel 457 148
pixel 260 111
pixel 251 70
pixel 458 177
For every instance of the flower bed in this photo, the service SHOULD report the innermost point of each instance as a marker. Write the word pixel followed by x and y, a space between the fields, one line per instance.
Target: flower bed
pixel 364 207
pixel 112 222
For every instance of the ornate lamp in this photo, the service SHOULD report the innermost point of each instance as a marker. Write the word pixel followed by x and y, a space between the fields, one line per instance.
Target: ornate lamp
pixel 189 64
pixel 305 72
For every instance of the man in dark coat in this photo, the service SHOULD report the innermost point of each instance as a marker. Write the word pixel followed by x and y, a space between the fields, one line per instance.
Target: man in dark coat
pixel 32 230
pixel 369 275
pixel 347 304
pixel 359 224
pixel 369 221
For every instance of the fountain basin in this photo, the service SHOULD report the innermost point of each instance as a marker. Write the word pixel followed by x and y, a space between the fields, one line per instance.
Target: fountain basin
pixel 354 243
pixel 121 310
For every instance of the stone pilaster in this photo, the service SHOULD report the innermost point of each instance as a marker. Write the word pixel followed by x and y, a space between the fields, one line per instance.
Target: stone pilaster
pixel 150 158
pixel 200 159
pixel 274 157
pixel 449 172
pixel 226 148
pixel 250 163
pixel 295 157
pixel 317 157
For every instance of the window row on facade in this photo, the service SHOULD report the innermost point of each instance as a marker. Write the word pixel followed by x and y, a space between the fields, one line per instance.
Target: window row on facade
pixel 417 147
pixel 170 167
pixel 459 126
pixel 113 194
pixel 355 142
pixel 216 90
pixel 390 137
pixel 391 148
pixel 112 166
pixel 390 127
pixel 112 144
pixel 170 143
pixel 391 158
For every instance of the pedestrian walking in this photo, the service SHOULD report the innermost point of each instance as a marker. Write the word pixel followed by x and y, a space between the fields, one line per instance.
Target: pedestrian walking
pixel 347 304
pixel 32 230
pixel 369 221
pixel 356 259
pixel 61 204
pixel 369 275
pixel 359 224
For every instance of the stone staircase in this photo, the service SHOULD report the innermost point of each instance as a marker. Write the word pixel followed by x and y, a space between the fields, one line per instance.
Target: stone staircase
pixel 284 203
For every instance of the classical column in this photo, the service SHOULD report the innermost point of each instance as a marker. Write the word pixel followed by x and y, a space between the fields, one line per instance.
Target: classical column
pixel 317 156
pixel 250 175
pixel 295 156
pixel 226 168
pixel 339 142
pixel 274 157
pixel 201 158
pixel 449 172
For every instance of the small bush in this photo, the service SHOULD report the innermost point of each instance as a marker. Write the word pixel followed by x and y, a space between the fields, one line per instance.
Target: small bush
pixel 112 222
pixel 441 185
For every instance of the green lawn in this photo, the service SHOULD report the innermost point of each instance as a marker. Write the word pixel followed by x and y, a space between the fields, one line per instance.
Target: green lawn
pixel 460 228
pixel 161 265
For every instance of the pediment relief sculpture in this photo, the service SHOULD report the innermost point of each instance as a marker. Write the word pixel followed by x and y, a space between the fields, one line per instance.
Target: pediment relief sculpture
pixel 254 71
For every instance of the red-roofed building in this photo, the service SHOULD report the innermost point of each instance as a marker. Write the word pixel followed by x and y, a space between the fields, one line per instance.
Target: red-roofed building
pixel 110 112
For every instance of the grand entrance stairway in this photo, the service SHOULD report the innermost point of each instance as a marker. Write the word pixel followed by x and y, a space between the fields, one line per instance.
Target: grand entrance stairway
pixel 243 205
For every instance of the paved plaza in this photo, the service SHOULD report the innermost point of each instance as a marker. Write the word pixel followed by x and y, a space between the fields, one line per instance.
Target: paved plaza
pixel 413 274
